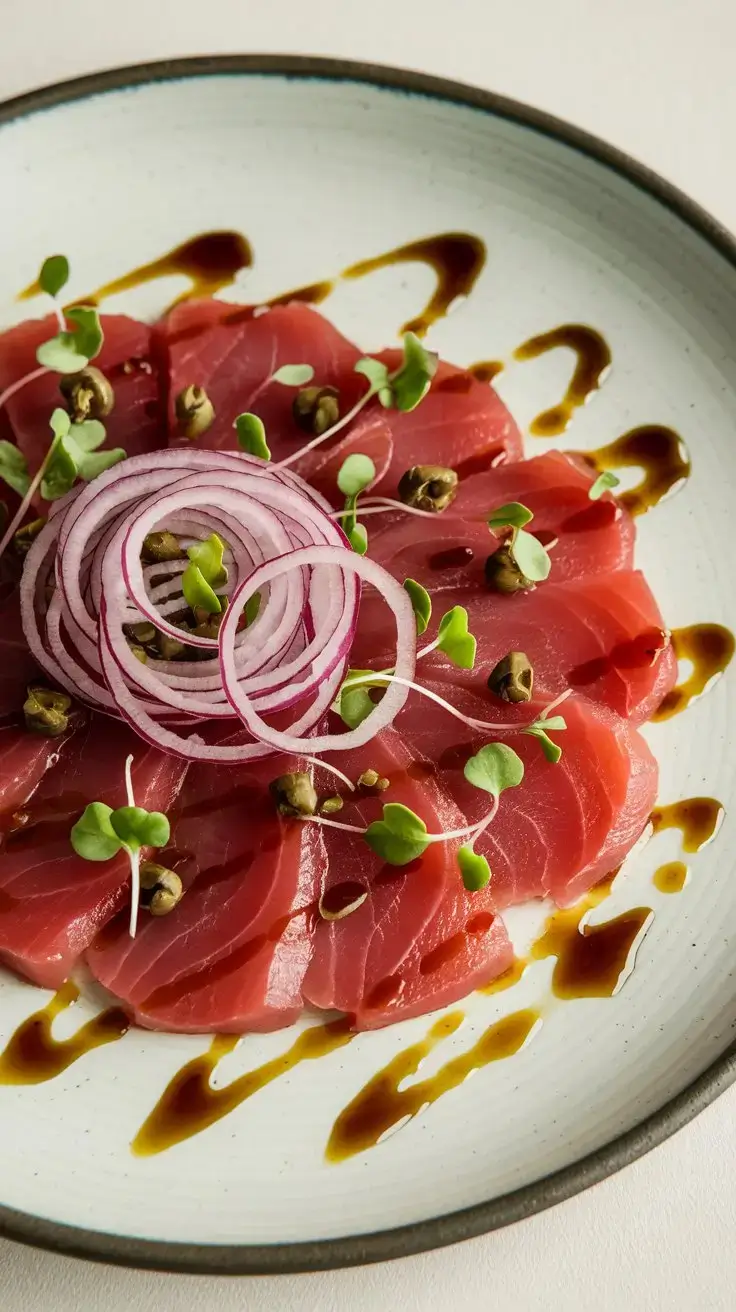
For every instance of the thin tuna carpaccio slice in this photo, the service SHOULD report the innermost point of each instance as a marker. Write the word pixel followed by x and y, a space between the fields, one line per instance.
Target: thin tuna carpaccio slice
pixel 232 354
pixel 126 359
pixel 602 636
pixel 567 824
pixel 17 666
pixel 52 902
pixel 232 955
pixel 384 961
pixel 450 550
pixel 25 759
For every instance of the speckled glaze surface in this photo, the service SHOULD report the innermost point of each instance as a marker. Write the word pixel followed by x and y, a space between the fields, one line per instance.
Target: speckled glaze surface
pixel 320 165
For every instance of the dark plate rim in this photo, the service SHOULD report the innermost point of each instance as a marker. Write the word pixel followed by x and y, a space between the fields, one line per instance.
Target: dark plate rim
pixel 402 1241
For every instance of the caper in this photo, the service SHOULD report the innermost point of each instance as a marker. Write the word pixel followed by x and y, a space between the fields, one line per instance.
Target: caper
pixel 503 573
pixel 428 487
pixel 47 712
pixel 369 779
pixel 331 805
pixel 88 394
pixel 513 678
pixel 170 649
pixel 383 784
pixel 26 536
pixel 139 652
pixel 161 889
pixel 160 547
pixel 195 412
pixel 143 634
pixel 316 409
pixel 294 794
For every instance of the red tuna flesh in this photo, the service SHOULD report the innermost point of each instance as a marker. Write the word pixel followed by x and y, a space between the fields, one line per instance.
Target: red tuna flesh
pixel 52 902
pixel 233 953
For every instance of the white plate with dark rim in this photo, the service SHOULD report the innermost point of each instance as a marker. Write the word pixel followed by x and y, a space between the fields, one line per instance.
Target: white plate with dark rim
pixel 322 163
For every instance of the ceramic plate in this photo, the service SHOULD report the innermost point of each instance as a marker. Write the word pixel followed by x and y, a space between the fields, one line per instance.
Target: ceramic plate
pixel 321 164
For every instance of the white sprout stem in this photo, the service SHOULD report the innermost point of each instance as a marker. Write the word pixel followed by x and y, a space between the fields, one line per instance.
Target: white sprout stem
pixel 134 857
pixel 333 824
pixel 20 513
pixel 331 769
pixel 21 382
pixel 129 780
pixel 475 829
pixel 557 702
pixel 451 710
pixel 59 315
pixel 341 423
pixel 431 646
pixel 381 506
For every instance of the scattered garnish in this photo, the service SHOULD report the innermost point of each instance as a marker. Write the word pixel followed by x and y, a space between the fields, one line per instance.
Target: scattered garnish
pixel 73 348
pixel 100 833
pixel 421 604
pixel 400 837
pixel 252 607
pixel 204 573
pixel 46 712
pixel 54 275
pixel 294 794
pixel 252 436
pixel 430 488
pixel 521 561
pixel 293 375
pixel 73 454
pixel 494 768
pixel 316 409
pixel 161 547
pixel 197 592
pixel 358 539
pixel 88 394
pixel 161 889
pixel 331 805
pixel 411 382
pixel 356 473
pixel 368 779
pixel 26 536
pixel 511 515
pixel 194 411
pixel 454 640
pixel 13 468
pixel 474 868
pixel 512 679
pixel 604 482
pixel 539 730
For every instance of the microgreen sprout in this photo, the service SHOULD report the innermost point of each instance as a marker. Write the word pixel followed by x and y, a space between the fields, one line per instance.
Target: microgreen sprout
pixel 540 730
pixel 73 347
pixel 421 604
pixel 356 473
pixel 521 560
pixel 251 434
pixel 603 483
pixel 203 574
pixel 402 389
pixel 293 375
pixel 100 833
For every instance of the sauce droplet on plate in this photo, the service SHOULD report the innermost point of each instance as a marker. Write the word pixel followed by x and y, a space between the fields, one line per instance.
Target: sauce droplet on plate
pixel 710 648
pixel 593 361
pixel 32 1055
pixel 671 877
pixel 592 960
pixel 697 818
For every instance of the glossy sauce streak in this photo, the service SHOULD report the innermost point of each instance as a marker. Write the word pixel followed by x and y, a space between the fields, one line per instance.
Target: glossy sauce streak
pixel 671 877
pixel 190 1104
pixel 697 818
pixel 456 258
pixel 592 364
pixel 382 1104
pixel 509 977
pixel 32 1055
pixel 591 959
pixel 710 648
pixel 658 451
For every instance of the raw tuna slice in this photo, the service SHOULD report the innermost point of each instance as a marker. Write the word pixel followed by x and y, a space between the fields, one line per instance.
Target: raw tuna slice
pixel 52 902
pixel 461 423
pixel 126 358
pixel 369 964
pixel 232 955
pixel 232 355
pixel 567 824
pixel 24 759
pixel 602 636
pixel 17 667
pixel 450 551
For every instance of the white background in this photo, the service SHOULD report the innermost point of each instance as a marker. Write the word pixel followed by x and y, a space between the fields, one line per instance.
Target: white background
pixel 656 78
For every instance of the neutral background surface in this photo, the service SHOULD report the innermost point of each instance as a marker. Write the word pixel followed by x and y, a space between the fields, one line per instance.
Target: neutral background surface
pixel 654 77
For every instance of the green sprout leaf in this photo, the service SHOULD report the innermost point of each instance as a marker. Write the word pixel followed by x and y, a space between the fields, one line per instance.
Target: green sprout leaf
pixel 93 836
pixel 400 837
pixel 72 349
pixel 54 274
pixel 458 645
pixel 354 705
pixel 96 462
pixel 293 375
pixel 376 373
pixel 252 607
pixel 421 603
pixel 602 484
pixel 207 556
pixel 358 539
pixel 531 557
pixel 197 591
pixel 136 827
pixel 411 382
pixel 13 468
pixel 540 730
pixel 494 768
pixel 474 869
pixel 252 436
pixel 511 515
pixel 357 472
pixel 74 455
